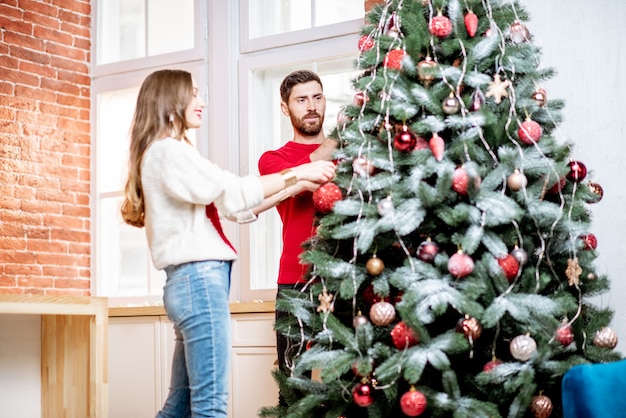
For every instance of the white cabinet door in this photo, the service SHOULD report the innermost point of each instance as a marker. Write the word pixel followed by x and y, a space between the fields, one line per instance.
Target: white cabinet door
pixel 253 360
pixel 140 358
pixel 135 377
pixel 252 383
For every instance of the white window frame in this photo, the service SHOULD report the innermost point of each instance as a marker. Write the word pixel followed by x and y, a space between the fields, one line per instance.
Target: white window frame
pixel 128 74
pixel 196 53
pixel 224 57
pixel 318 33
pixel 321 50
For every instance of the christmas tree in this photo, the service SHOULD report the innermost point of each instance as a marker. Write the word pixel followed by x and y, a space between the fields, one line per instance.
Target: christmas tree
pixel 453 264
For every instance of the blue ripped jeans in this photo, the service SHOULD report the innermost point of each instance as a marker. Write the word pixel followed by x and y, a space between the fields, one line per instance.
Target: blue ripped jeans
pixel 196 301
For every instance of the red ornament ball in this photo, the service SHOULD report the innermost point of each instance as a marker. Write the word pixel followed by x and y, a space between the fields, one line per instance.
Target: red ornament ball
pixel 393 59
pixel 371 297
pixel 471 23
pixel 509 265
pixel 427 250
pixel 461 179
pixel 421 143
pixel 325 196
pixel 460 265
pixel 564 334
pixel 558 186
pixel 413 403
pixel 363 394
pixel 365 43
pixel 403 336
pixel 360 99
pixel 577 171
pixel 363 364
pixel 440 26
pixel 529 132
pixel 405 140
pixel 342 118
pixel 590 240
pixel 490 365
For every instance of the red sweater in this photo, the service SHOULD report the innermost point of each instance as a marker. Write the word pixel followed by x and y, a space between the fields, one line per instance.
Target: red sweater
pixel 296 213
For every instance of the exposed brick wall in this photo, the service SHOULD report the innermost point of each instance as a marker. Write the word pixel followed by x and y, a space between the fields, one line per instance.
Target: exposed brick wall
pixel 45 146
pixel 370 3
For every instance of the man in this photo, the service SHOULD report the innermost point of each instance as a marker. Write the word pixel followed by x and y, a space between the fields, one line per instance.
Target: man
pixel 303 101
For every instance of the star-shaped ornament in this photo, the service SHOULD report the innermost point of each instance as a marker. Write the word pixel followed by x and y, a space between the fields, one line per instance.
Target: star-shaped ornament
pixel 498 89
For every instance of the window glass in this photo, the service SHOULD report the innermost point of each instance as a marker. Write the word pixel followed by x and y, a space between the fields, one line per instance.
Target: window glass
pixel 270 17
pixel 163 14
pixel 328 12
pixel 130 29
pixel 123 257
pixel 114 111
pixel 270 129
pixel 124 262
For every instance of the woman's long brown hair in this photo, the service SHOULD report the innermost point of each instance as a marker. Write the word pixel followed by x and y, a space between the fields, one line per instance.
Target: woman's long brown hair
pixel 159 113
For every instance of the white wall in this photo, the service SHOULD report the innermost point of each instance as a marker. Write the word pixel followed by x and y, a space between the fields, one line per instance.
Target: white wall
pixel 20 377
pixel 585 42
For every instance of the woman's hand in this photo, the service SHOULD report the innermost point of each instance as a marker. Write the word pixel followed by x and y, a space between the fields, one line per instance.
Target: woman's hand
pixel 319 172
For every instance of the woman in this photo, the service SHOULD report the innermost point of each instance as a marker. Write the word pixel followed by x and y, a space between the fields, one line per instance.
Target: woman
pixel 176 194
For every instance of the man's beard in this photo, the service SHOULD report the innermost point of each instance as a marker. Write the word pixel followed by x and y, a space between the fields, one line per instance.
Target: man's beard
pixel 305 128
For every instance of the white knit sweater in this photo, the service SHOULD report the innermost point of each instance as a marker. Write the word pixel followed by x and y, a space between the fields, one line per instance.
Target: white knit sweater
pixel 178 183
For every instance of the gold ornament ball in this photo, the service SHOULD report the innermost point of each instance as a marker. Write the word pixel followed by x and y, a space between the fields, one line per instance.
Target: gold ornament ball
pixel 517 180
pixel 451 105
pixel 605 338
pixel 426 70
pixel 375 266
pixel 541 406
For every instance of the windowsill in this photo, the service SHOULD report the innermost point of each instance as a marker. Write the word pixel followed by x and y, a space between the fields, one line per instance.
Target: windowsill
pixel 157 310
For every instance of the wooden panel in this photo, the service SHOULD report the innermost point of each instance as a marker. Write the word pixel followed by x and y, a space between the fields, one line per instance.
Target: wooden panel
pixel 74 375
pixel 65 366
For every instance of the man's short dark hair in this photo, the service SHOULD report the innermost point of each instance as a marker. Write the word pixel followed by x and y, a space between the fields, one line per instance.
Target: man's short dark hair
pixel 297 77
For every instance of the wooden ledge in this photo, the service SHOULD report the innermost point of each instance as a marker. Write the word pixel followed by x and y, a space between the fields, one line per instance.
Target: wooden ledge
pixel 51 305
pixel 235 308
